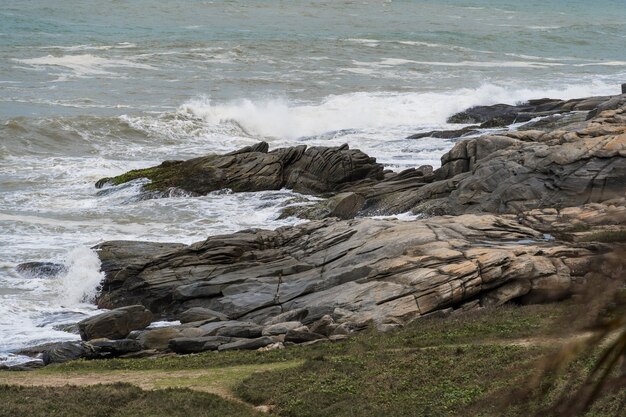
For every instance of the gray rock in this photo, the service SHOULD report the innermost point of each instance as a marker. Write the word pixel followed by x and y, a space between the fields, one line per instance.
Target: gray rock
pixel 296 315
pixel 247 344
pixel 447 134
pixel 324 326
pixel 197 290
pixel 245 330
pixel 358 271
pixel 500 115
pixel 301 168
pixel 200 314
pixel 107 347
pixel 343 206
pixel 22 367
pixel 280 328
pixel 299 336
pixel 158 338
pixel 185 345
pixel 40 269
pixel 115 324
pixel 66 351
pixel 509 291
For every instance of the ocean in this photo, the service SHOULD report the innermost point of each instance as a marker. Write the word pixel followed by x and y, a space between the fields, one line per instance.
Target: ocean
pixel 90 89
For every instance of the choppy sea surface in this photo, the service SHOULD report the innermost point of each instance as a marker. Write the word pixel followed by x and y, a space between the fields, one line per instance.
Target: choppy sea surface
pixel 92 89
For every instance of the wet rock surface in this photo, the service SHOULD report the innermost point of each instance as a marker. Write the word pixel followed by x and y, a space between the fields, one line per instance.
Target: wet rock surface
pixel 500 115
pixel 40 269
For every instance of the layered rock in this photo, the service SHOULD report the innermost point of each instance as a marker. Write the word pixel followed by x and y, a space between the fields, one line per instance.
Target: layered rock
pixel 308 170
pixel 509 172
pixel 263 289
pixel 383 271
pixel 520 171
pixel 500 115
pixel 516 171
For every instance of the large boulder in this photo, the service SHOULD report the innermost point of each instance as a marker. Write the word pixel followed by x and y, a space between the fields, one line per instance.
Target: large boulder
pixel 577 162
pixel 308 170
pixel 115 324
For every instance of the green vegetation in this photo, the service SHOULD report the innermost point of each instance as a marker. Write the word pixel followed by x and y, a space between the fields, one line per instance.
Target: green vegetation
pixel 116 400
pixel 605 236
pixel 473 327
pixel 474 364
pixel 168 174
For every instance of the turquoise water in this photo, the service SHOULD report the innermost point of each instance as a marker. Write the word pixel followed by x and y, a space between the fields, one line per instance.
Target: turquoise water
pixel 63 57
pixel 91 89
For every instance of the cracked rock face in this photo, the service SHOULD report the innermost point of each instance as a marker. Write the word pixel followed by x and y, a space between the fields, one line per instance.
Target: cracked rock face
pixel 383 271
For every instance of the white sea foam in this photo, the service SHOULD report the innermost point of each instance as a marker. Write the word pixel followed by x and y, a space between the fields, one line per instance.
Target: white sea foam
pixel 83 65
pixel 289 120
pixel 88 47
pixel 31 314
pixel 80 283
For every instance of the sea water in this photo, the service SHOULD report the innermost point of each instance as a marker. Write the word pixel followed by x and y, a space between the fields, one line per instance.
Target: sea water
pixel 92 89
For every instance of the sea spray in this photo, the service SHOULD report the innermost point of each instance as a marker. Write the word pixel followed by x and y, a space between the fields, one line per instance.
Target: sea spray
pixel 80 284
pixel 285 119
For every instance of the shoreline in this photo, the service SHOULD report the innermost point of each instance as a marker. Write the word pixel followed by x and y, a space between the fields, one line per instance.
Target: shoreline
pixel 362 188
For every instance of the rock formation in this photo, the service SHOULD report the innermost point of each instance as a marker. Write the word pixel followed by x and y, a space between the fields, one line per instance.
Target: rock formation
pixel 519 216
pixel 308 170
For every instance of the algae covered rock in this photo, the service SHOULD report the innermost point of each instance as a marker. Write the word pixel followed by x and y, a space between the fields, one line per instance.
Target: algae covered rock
pixel 307 170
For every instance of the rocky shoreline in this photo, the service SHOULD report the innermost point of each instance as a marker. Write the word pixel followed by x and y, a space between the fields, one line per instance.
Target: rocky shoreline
pixel 527 214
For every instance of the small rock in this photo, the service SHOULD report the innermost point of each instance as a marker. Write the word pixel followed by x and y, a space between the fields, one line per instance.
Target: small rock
pixel 241 329
pixel 299 336
pixel 273 346
pixel 26 366
pixel 324 326
pixel 41 269
pixel 158 338
pixel 185 345
pixel 107 347
pixel 200 314
pixel 66 351
pixel 280 328
pixel 247 344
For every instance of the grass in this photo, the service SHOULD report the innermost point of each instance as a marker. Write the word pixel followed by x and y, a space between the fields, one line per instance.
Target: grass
pixel 115 400
pixel 606 236
pixel 430 382
pixel 502 323
pixel 465 365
